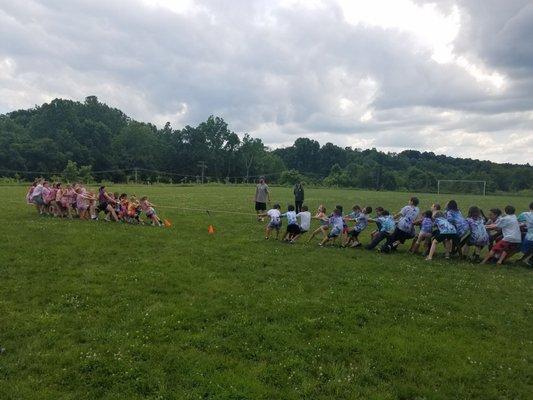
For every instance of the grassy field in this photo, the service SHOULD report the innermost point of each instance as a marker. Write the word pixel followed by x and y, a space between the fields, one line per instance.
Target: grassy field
pixel 96 310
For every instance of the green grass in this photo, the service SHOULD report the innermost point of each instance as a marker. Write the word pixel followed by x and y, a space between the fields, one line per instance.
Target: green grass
pixel 95 310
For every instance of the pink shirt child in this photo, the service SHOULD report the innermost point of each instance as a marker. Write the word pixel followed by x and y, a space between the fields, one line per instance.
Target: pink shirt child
pixel 82 203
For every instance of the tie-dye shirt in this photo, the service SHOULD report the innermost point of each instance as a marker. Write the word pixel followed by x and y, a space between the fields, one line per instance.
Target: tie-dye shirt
pixel 527 218
pixel 478 233
pixel 444 226
pixel 427 225
pixel 291 217
pixel 387 224
pixel 457 220
pixel 408 216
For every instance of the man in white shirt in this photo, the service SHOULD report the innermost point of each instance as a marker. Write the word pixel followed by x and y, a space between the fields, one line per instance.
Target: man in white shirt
pixel 512 237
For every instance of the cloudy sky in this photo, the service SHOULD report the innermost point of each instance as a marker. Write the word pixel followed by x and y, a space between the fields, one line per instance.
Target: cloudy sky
pixel 449 76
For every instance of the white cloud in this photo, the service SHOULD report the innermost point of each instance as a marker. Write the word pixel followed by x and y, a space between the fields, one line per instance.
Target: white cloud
pixel 450 75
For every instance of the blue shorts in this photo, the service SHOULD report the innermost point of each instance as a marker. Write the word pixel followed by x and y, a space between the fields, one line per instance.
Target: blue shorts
pixel 274 225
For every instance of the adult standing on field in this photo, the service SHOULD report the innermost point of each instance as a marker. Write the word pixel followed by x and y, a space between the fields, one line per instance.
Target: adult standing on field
pixel 262 196
pixel 298 196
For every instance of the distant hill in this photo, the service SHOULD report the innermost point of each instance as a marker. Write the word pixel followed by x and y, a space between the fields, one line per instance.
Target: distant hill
pixel 112 146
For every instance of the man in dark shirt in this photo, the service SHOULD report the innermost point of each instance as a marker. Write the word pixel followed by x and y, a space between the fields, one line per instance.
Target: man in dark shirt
pixel 298 196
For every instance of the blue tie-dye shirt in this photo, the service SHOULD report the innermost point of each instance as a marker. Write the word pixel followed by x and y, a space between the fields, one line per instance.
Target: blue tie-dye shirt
pixel 457 220
pixel 444 226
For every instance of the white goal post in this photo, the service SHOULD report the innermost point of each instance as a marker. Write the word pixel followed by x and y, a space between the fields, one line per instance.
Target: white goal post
pixel 461 181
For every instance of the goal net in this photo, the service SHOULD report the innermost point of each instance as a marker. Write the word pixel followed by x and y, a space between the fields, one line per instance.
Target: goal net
pixel 461 186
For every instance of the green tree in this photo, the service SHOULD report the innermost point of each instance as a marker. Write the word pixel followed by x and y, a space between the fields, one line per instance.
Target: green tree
pixel 71 173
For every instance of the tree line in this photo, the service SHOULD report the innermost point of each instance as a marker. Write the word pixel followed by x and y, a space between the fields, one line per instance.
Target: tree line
pixel 92 141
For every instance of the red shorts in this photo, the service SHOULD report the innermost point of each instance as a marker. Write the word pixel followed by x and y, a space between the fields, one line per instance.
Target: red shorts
pixel 508 247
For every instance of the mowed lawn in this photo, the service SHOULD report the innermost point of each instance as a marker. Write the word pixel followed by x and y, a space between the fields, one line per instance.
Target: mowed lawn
pixel 96 310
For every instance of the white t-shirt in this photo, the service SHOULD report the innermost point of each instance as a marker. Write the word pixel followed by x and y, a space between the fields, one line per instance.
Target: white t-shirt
pixel 305 220
pixel 37 191
pixel 275 215
pixel 510 228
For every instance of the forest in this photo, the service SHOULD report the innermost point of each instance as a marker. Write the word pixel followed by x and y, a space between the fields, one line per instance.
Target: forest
pixel 91 141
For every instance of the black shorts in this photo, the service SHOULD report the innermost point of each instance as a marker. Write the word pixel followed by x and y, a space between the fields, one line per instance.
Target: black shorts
pixel 101 207
pixel 260 206
pixel 354 233
pixel 293 228
pixel 402 236
pixel 441 237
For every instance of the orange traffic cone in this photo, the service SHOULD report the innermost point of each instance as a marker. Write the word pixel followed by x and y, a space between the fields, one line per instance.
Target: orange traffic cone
pixel 211 229
pixel 167 223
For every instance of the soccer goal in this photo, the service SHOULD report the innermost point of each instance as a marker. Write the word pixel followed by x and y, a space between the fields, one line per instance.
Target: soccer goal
pixel 461 186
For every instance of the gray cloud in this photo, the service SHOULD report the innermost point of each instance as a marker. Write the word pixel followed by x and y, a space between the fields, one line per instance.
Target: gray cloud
pixel 281 71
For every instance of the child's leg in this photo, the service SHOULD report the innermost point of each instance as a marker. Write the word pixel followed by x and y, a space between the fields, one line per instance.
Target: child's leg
pixel 324 241
pixel 414 244
pixel 315 232
pixel 376 240
pixel 502 258
pixel 267 231
pixel 489 255
pixel 155 219
pixel 112 213
pixel 432 249
pixel 448 246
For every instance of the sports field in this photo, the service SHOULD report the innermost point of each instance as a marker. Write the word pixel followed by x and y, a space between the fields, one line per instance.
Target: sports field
pixel 96 310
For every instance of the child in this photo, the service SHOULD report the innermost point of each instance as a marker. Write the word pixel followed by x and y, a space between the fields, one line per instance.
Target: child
pixel 123 207
pixel 82 203
pixel 29 193
pixel 526 219
pixel 377 220
pixel 37 197
pixel 511 240
pixel 426 231
pixel 46 195
pixel 324 222
pixel 117 205
pixel 479 236
pixel 148 209
pixel 51 200
pixel 65 200
pixel 496 234
pixel 446 233
pixel 293 229
pixel 275 220
pixel 337 225
pixel 134 210
pixel 106 204
pixel 305 221
pixel 361 222
pixel 386 226
pixel 405 229
pixel 454 216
